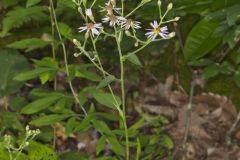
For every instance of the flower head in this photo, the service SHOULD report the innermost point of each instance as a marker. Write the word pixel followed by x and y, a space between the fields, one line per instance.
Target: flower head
pixel 91 27
pixel 110 8
pixel 89 12
pixel 112 20
pixel 129 23
pixel 161 31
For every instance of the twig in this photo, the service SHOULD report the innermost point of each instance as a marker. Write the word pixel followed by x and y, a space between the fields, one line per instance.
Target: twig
pixel 228 140
pixel 65 59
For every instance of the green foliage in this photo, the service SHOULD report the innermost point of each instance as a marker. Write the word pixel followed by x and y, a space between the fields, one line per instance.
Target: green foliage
pixel 13 63
pixel 14 19
pixel 28 44
pixel 107 99
pixel 50 119
pixel 201 40
pixel 46 70
pixel 42 103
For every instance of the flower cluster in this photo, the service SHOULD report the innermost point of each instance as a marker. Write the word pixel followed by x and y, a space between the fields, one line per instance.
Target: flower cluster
pixel 115 19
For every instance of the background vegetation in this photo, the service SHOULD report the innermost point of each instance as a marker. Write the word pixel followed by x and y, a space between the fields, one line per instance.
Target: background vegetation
pixel 34 82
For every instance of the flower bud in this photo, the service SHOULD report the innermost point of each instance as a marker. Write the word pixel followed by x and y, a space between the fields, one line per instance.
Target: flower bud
pixel 75 41
pixel 89 12
pixel 136 44
pixel 159 3
pixel 127 33
pixel 172 34
pixel 75 54
pixel 170 6
pixel 176 18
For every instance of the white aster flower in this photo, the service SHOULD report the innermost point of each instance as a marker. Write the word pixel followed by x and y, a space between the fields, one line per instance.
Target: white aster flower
pixel 110 8
pixel 91 27
pixel 129 23
pixel 161 31
pixel 89 12
pixel 111 19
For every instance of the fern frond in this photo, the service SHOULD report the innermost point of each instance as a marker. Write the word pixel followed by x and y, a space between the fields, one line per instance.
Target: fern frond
pixel 19 16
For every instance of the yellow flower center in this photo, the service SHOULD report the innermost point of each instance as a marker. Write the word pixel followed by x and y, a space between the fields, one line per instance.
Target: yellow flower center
pixel 156 30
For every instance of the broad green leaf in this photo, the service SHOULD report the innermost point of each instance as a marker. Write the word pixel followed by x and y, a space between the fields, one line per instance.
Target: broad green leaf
pixel 88 75
pixel 65 30
pixel 28 44
pixel 167 142
pixel 32 74
pixel 71 123
pixel 12 63
pixel 106 81
pixel 84 124
pixel 50 119
pixel 32 2
pixel 200 40
pixel 115 145
pixel 134 59
pixel 40 104
pixel 107 99
pixel 102 127
pixel 100 144
pixel 47 62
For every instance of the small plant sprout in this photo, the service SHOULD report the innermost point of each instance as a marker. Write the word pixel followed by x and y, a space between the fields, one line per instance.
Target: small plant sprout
pixel 15 152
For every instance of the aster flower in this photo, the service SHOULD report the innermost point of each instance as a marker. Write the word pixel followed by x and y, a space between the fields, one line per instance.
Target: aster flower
pixel 110 8
pixel 129 23
pixel 161 31
pixel 111 19
pixel 91 27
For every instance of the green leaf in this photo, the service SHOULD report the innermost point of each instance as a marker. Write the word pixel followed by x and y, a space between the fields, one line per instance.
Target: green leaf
pixel 88 75
pixel 106 81
pixel 167 142
pixel 12 63
pixel 134 59
pixel 102 127
pixel 115 145
pixel 28 44
pixel 40 104
pixel 200 40
pixel 14 19
pixel 100 144
pixel 65 30
pixel 32 2
pixel 37 151
pixel 50 119
pixel 10 120
pixel 32 74
pixel 107 99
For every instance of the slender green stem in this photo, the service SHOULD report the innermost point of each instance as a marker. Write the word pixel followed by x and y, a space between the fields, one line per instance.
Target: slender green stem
pixel 118 41
pixel 52 42
pixel 134 10
pixel 122 1
pixel 65 58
